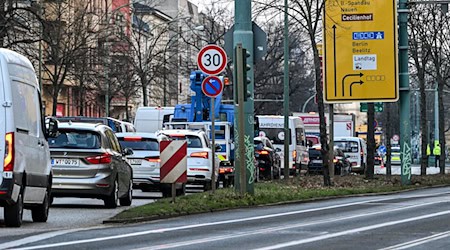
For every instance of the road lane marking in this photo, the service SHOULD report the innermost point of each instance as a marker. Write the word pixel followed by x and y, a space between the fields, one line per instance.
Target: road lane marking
pixel 162 230
pixel 279 228
pixel 352 231
pixel 418 242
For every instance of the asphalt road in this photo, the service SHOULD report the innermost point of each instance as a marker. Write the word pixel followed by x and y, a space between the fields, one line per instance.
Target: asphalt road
pixel 69 213
pixel 410 220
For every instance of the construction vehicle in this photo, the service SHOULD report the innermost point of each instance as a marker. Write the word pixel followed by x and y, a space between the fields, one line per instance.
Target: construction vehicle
pixel 197 115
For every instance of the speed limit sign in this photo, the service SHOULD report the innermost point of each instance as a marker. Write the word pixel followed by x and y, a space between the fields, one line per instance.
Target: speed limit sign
pixel 212 59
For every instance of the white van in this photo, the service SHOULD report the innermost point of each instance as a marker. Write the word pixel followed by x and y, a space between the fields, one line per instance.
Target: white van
pixel 151 119
pixel 272 127
pixel 356 148
pixel 26 176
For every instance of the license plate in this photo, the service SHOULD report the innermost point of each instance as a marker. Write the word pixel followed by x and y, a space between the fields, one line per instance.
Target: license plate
pixel 317 161
pixel 66 162
pixel 135 161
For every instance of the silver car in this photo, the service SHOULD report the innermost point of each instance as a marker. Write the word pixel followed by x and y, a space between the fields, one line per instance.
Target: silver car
pixel 145 162
pixel 88 162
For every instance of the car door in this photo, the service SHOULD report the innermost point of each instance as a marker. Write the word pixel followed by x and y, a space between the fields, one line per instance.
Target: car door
pixel 122 167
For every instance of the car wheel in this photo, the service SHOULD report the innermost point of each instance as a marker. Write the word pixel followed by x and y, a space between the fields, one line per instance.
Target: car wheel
pixel 14 213
pixel 166 192
pixel 112 200
pixel 207 186
pixel 182 190
pixel 40 212
pixel 128 199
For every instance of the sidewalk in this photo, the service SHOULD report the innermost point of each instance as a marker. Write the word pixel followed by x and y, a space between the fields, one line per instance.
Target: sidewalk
pixel 396 169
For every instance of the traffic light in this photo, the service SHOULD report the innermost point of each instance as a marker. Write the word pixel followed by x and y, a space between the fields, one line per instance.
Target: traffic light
pixel 241 70
pixel 247 79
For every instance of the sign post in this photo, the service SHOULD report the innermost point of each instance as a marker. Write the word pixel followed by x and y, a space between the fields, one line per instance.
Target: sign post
pixel 360 45
pixel 212 86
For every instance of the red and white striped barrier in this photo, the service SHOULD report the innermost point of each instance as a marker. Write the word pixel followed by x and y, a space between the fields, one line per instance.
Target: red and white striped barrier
pixel 173 155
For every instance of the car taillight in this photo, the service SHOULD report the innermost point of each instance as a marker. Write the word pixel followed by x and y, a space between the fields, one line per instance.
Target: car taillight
pixel 153 159
pixel 263 152
pixel 8 163
pixel 294 154
pixel 99 159
pixel 132 138
pixel 203 155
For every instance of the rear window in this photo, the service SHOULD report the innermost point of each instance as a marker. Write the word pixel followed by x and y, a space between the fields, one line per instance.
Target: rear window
pixel 138 143
pixel 313 153
pixel 82 139
pixel 275 134
pixel 395 150
pixel 347 146
pixel 192 140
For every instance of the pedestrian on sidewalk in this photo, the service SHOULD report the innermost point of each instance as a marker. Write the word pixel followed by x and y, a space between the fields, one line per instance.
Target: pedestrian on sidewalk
pixel 437 154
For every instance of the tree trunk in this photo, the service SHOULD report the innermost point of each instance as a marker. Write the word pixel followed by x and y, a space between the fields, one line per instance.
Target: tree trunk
pixel 423 127
pixel 127 114
pixel 369 171
pixel 441 83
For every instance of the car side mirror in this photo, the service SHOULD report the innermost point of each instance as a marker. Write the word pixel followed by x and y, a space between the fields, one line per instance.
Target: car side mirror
pixel 51 127
pixel 127 151
pixel 218 148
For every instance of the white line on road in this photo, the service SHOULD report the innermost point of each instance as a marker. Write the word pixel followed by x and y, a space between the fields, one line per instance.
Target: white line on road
pixel 279 228
pixel 418 242
pixel 352 231
pixel 162 230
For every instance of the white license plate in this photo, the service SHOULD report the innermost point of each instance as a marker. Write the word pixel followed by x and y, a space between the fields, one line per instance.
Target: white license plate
pixel 135 161
pixel 316 161
pixel 65 162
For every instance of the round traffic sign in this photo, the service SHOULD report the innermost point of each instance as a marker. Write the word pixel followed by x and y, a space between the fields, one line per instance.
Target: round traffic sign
pixel 212 59
pixel 395 137
pixel 212 86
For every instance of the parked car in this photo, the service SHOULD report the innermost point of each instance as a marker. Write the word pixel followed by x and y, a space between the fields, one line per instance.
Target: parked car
pixel 200 156
pixel 26 175
pixel 117 126
pixel 88 162
pixel 378 159
pixel 269 161
pixel 145 162
pixel 342 164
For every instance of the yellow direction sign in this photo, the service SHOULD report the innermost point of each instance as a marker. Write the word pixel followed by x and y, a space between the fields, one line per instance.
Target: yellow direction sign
pixel 360 45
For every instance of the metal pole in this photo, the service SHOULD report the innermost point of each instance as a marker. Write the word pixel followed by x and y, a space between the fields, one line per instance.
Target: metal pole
pixel 213 146
pixel 243 34
pixel 436 115
pixel 307 101
pixel 241 123
pixel 405 123
pixel 286 94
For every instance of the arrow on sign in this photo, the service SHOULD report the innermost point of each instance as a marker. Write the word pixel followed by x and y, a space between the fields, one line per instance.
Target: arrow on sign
pixel 343 81
pixel 334 55
pixel 351 85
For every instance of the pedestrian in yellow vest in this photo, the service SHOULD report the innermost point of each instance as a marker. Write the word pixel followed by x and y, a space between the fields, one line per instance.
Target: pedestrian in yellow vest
pixel 437 153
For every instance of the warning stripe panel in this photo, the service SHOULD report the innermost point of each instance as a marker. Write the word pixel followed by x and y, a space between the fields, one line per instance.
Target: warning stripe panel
pixel 173 161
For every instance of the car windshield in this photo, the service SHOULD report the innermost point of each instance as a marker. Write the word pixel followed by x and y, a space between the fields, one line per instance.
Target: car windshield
pixel 313 153
pixel 347 146
pixel 138 143
pixel 192 140
pixel 82 139
pixel 395 150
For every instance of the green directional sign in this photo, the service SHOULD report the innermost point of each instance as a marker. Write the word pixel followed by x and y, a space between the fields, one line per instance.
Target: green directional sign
pixel 378 107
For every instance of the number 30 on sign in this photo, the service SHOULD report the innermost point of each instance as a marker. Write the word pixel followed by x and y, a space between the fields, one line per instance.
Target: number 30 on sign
pixel 212 59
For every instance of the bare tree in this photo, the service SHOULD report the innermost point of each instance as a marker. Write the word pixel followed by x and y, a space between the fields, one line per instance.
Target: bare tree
pixel 420 53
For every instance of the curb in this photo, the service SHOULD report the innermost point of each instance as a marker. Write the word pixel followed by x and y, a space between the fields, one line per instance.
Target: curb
pixel 161 217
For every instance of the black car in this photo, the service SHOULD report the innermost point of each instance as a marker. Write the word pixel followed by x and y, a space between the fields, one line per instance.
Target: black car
pixel 342 165
pixel 269 162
